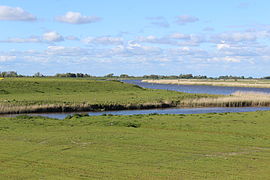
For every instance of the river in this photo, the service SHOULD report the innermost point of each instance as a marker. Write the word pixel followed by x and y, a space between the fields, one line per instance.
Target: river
pixel 201 89
pixel 152 111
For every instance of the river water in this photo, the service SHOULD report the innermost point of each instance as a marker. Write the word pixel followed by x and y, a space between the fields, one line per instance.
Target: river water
pixel 197 88
pixel 181 88
pixel 151 111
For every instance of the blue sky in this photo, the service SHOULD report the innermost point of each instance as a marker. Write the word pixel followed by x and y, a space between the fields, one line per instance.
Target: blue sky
pixel 135 37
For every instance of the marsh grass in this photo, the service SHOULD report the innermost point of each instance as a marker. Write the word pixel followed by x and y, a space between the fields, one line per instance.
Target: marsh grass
pixel 229 83
pixel 42 108
pixel 237 99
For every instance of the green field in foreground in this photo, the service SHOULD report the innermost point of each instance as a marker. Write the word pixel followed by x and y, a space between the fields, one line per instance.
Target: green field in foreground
pixel 203 146
pixel 71 92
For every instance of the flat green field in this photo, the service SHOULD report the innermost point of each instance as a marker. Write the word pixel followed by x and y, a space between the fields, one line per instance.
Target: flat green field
pixel 203 146
pixel 23 92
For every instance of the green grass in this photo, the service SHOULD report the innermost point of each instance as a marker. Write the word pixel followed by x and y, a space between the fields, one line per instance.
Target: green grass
pixel 203 146
pixel 68 91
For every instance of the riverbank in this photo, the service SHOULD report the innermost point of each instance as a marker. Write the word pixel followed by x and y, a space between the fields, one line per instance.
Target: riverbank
pixel 36 95
pixel 202 146
pixel 238 99
pixel 228 83
pixel 45 95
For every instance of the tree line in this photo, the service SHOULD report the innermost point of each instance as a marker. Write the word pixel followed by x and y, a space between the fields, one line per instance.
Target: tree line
pixel 111 75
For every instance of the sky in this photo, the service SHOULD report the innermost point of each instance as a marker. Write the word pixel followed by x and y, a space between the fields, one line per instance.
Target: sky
pixel 139 37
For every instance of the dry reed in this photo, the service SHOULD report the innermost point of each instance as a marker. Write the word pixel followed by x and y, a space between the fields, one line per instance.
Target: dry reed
pixel 238 99
pixel 254 83
pixel 11 109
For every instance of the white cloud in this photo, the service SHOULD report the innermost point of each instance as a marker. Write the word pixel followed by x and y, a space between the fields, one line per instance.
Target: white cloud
pixel 176 39
pixel 105 40
pixel 77 18
pixel 185 19
pixel 15 14
pixel 155 40
pixel 238 36
pixel 223 46
pixel 135 49
pixel 66 51
pixel 52 37
pixel 5 58
pixel 179 36
pixel 47 37
pixel 22 40
pixel 226 59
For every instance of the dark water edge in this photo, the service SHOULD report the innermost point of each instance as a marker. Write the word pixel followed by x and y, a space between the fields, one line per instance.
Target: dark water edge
pixel 151 111
pixel 197 89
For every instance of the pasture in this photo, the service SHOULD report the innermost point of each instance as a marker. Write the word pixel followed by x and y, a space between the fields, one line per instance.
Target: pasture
pixel 202 146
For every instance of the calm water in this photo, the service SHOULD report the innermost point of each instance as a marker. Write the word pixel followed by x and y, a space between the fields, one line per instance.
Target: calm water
pixel 197 89
pixel 159 111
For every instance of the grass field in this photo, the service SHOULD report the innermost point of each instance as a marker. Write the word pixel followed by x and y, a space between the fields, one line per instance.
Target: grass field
pixel 202 146
pixel 256 83
pixel 19 95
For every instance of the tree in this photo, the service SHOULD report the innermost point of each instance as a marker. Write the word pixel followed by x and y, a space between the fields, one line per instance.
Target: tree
pixel 38 74
pixel 109 75
pixel 124 76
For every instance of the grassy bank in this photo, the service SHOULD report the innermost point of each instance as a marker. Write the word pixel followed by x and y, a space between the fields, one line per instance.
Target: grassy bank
pixel 22 95
pixel 210 82
pixel 202 146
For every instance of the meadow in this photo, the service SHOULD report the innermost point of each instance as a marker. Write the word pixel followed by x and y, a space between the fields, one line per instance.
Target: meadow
pixel 22 95
pixel 201 146
pixel 255 83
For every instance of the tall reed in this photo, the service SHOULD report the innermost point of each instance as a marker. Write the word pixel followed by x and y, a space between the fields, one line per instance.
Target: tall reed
pixel 256 84
pixel 238 99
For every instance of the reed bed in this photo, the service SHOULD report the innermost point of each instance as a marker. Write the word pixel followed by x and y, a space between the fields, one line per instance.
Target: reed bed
pixel 254 83
pixel 47 108
pixel 238 99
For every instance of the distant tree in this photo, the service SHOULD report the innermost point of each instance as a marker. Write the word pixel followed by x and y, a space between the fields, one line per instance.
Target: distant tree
pixel 185 76
pixel 9 74
pixel 38 74
pixel 79 75
pixel 109 75
pixel 124 76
